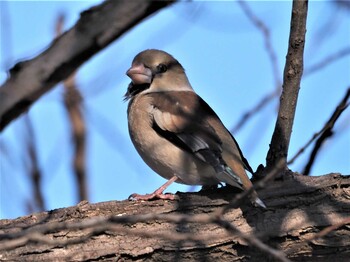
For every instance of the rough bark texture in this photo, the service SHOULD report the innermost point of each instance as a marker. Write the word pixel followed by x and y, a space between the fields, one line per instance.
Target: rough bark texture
pixel 298 208
pixel 293 71
pixel 96 28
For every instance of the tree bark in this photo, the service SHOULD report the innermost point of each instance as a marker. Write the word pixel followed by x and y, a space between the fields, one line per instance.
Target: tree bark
pixel 299 208
pixel 96 28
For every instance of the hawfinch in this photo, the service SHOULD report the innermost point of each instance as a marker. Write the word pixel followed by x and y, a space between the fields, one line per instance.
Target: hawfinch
pixel 176 132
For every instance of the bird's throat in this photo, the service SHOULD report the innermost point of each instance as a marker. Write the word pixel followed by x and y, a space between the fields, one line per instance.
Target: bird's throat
pixel 133 90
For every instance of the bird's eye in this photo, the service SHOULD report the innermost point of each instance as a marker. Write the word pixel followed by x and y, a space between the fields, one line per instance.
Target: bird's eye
pixel 161 68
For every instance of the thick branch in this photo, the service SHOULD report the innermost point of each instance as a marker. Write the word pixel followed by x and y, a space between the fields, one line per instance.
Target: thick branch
pixel 96 28
pixel 299 208
pixel 293 71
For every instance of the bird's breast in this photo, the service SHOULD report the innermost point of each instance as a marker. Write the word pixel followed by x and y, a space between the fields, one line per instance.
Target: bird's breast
pixel 160 154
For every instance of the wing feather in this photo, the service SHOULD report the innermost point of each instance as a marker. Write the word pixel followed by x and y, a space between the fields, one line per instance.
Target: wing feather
pixel 190 130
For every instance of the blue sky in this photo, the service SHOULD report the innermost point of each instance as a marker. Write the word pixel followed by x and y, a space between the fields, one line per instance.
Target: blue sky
pixel 227 64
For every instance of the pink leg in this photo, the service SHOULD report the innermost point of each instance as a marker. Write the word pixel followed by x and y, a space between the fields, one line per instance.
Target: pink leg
pixel 158 194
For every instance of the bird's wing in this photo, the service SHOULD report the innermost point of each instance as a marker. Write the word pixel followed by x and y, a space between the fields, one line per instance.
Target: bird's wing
pixel 181 118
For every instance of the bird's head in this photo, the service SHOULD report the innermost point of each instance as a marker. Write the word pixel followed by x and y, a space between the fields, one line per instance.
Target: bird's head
pixel 156 71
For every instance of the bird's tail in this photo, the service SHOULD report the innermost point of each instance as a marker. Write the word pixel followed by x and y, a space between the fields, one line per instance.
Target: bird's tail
pixel 229 177
pixel 259 202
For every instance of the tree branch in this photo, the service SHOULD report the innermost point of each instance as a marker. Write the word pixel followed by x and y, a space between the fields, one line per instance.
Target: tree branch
pixel 327 60
pixel 34 170
pixel 73 103
pixel 298 208
pixel 293 71
pixel 339 54
pixel 96 28
pixel 326 132
pixel 260 25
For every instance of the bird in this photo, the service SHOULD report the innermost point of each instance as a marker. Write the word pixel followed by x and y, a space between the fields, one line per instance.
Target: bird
pixel 176 132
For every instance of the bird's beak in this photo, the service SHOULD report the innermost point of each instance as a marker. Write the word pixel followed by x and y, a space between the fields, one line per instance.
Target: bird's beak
pixel 139 74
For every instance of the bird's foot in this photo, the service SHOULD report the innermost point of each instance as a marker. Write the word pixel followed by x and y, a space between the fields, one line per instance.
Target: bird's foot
pixel 158 194
pixel 152 196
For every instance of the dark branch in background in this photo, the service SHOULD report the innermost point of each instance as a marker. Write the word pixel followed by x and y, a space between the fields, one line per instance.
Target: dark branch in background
pixel 326 61
pixel 274 94
pixel 343 4
pixel 293 71
pixel 73 101
pixel 326 132
pixel 34 171
pixel 253 241
pixel 96 28
pixel 257 108
pixel 341 107
pixel 327 230
pixel 259 24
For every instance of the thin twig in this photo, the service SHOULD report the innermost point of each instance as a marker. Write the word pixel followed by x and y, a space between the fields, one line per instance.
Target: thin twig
pixel 34 171
pixel 327 60
pixel 320 234
pixel 329 229
pixel 253 241
pixel 260 25
pixel 274 94
pixel 326 132
pixel 72 101
pixel 317 134
pixel 255 109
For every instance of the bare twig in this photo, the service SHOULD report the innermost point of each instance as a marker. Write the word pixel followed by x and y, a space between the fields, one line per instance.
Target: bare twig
pixel 260 25
pixel 35 173
pixel 104 227
pixel 291 83
pixel 257 108
pixel 72 102
pixel 253 241
pixel 320 234
pixel 327 230
pixel 308 143
pixel 326 132
pixel 342 4
pixel 274 94
pixel 327 60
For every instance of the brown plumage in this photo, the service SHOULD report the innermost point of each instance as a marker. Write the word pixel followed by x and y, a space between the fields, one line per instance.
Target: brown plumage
pixel 176 132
